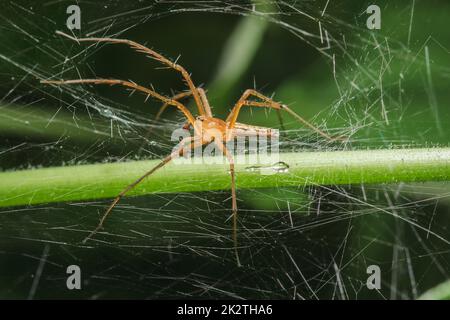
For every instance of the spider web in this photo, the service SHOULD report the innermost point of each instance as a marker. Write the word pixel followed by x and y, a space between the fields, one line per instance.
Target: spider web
pixel 295 243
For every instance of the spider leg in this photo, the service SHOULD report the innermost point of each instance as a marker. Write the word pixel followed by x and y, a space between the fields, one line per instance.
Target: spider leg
pixel 224 149
pixel 269 103
pixel 131 186
pixel 186 94
pixel 131 85
pixel 311 126
pixel 153 54
pixel 280 120
pixel 205 101
pixel 177 97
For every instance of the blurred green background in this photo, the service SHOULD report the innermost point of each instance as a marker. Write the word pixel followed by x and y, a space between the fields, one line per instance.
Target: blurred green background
pixel 384 88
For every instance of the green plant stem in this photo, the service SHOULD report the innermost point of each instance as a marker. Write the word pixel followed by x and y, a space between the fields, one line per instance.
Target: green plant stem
pixel 83 182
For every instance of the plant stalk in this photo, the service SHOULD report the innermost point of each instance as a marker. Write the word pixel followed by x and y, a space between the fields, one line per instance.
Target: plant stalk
pixel 97 181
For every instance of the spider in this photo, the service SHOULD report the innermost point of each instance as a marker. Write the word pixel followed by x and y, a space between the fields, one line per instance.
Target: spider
pixel 202 125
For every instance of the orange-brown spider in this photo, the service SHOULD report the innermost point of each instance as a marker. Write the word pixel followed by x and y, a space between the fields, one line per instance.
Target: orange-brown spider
pixel 203 125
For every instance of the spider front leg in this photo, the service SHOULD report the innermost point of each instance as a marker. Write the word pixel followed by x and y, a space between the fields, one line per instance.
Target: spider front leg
pixel 178 152
pixel 178 97
pixel 153 54
pixel 131 85
pixel 183 95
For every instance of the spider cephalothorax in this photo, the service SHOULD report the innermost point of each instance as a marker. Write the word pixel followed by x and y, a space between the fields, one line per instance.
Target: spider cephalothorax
pixel 210 129
pixel 206 127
